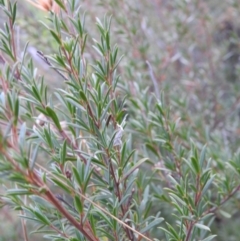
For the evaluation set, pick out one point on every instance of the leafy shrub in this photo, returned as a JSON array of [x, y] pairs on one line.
[[103, 156]]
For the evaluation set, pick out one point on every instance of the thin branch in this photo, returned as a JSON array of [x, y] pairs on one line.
[[189, 231], [45, 59], [61, 199], [95, 204], [32, 176], [24, 228], [86, 230], [214, 209]]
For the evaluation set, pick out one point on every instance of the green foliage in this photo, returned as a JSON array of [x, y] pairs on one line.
[[103, 155]]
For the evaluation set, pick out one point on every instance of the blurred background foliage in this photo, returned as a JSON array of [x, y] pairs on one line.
[[188, 48]]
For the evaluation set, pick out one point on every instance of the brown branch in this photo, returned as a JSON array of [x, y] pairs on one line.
[[211, 210], [95, 204], [34, 179], [24, 228], [45, 59], [231, 194], [118, 194], [86, 229]]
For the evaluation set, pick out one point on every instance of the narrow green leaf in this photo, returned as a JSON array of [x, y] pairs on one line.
[[36, 94], [64, 152], [225, 214], [83, 96], [107, 37], [106, 110], [61, 184], [84, 43], [206, 187], [14, 11], [152, 148], [78, 204], [202, 156], [136, 165], [152, 225], [195, 165], [60, 4], [177, 199], [34, 157], [41, 217], [55, 36], [52, 114], [201, 226], [14, 192], [77, 176], [16, 112]]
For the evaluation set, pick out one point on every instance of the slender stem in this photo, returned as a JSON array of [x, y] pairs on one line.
[[189, 231], [119, 195], [24, 228], [86, 231], [33, 178], [198, 192], [59, 232], [197, 195], [232, 193], [45, 59], [73, 71], [211, 210], [95, 205]]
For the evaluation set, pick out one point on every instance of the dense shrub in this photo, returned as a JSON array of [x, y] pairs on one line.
[[99, 146]]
